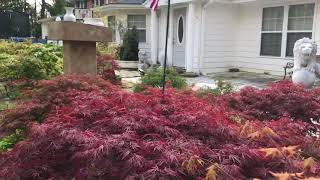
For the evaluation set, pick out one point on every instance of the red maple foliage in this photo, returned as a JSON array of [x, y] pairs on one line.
[[94, 130], [107, 67], [280, 99]]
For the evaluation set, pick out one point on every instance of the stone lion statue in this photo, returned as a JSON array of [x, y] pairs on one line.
[[305, 67], [144, 62], [305, 51]]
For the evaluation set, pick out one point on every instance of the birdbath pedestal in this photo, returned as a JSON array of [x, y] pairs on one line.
[[79, 45]]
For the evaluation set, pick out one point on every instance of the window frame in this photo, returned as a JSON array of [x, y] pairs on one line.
[[271, 32], [285, 30], [143, 29]]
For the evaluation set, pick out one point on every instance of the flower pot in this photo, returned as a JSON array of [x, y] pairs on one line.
[[69, 16], [93, 21]]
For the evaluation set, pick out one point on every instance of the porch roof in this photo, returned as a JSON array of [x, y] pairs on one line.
[[164, 2]]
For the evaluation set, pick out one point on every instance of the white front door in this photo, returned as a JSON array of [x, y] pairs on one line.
[[179, 40]]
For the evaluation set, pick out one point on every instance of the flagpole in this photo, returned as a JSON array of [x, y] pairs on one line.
[[166, 50]]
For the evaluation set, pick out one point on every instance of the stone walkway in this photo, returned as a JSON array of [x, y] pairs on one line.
[[237, 79]]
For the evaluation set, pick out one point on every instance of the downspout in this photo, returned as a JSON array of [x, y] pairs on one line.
[[202, 41]]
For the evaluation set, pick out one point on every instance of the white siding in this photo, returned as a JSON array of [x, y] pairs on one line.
[[233, 34], [219, 34]]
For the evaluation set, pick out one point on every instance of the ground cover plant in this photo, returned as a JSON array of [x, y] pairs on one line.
[[87, 128]]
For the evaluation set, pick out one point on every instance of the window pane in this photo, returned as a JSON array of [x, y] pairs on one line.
[[142, 35], [301, 17], [292, 38], [139, 21], [180, 30], [271, 44], [272, 19]]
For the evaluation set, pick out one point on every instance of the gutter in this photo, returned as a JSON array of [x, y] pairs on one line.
[[118, 6]]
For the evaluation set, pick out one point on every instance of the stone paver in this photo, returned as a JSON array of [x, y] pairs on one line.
[[237, 79]]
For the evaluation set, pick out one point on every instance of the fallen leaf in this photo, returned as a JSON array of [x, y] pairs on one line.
[[290, 150], [269, 132], [308, 163], [255, 135], [212, 172], [286, 176], [273, 152], [193, 164]]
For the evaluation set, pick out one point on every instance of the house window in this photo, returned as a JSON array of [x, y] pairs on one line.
[[138, 21], [98, 2], [112, 26], [81, 4], [299, 25], [271, 37]]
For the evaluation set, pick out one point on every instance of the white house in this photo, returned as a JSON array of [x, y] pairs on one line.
[[208, 36], [216, 35]]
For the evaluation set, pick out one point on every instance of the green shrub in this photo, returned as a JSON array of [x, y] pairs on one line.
[[9, 66], [9, 141], [29, 61], [223, 87], [130, 48], [154, 78], [112, 49]]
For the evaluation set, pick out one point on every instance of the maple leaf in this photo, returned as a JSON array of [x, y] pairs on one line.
[[286, 176], [290, 150], [212, 172], [265, 132], [192, 164], [308, 165], [273, 152], [255, 135], [246, 129]]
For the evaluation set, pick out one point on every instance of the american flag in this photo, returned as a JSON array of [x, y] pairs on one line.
[[154, 4]]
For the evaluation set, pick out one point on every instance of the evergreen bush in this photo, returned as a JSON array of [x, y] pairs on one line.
[[130, 47]]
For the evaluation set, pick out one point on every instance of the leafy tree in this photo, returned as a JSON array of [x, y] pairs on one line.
[[14, 5], [58, 7]]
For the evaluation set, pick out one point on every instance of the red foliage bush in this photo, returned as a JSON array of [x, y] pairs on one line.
[[46, 96], [107, 67], [281, 99], [93, 130]]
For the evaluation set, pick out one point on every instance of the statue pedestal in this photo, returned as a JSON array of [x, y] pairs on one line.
[[79, 45], [304, 77]]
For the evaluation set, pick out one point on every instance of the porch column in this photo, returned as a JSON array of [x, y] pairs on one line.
[[154, 37], [190, 36], [170, 38]]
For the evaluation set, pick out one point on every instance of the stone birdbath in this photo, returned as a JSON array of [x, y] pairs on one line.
[[79, 45]]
